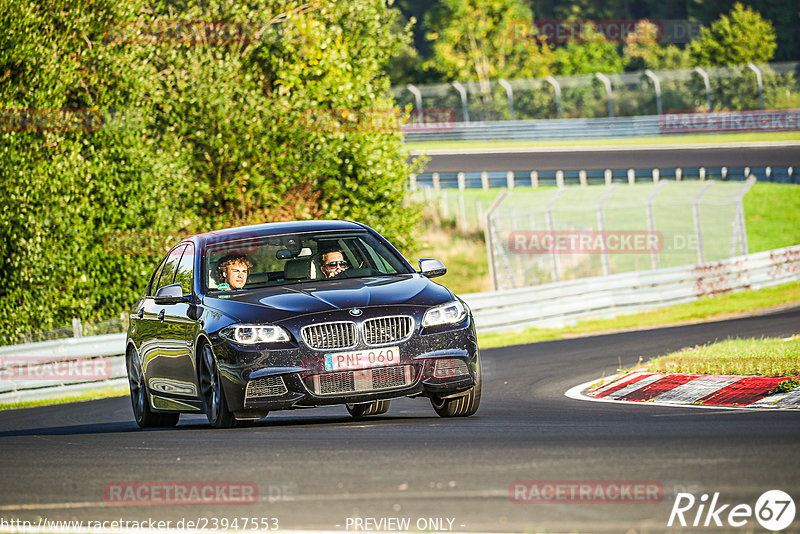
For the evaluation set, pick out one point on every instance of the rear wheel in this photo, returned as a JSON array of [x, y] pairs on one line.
[[462, 406], [145, 417], [211, 389], [368, 408]]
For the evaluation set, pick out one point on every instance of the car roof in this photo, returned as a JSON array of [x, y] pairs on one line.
[[275, 228]]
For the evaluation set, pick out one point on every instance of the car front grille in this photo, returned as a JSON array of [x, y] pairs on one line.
[[269, 386], [363, 380], [330, 335], [387, 329]]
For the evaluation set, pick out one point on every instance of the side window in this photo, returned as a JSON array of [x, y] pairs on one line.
[[171, 263], [185, 272], [151, 287]]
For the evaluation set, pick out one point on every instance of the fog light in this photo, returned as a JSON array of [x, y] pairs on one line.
[[450, 367]]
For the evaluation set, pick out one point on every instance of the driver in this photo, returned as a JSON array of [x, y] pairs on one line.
[[232, 272], [333, 263]]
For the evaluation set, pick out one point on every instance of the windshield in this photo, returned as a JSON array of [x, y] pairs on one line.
[[255, 262]]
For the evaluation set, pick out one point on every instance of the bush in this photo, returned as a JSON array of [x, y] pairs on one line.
[[118, 134]]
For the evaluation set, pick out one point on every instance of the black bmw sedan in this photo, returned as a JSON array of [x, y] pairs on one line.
[[237, 322]]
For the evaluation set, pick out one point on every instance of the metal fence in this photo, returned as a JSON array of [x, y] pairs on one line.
[[456, 197], [539, 237], [740, 87], [558, 304]]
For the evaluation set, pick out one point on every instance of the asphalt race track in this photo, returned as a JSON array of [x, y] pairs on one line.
[[552, 159], [317, 468]]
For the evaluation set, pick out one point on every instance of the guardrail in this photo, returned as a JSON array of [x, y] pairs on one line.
[[558, 304], [51, 369], [605, 127], [550, 305], [535, 178]]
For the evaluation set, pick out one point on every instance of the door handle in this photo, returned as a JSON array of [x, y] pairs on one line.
[[161, 315]]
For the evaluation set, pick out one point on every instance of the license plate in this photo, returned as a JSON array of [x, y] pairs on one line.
[[362, 359]]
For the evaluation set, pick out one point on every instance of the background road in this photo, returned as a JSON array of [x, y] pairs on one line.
[[543, 159], [56, 460]]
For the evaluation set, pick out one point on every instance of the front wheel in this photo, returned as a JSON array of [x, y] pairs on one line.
[[368, 408], [466, 404], [211, 389], [145, 417]]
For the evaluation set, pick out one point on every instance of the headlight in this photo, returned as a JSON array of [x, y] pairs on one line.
[[452, 312], [252, 334]]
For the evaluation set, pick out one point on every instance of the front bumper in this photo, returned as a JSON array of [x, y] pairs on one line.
[[434, 362]]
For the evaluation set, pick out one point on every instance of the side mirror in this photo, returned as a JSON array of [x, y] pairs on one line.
[[171, 294], [431, 268]]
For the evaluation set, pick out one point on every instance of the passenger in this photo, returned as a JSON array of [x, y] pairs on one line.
[[232, 272], [333, 263]]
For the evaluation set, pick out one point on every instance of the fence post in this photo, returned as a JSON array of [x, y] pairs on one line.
[[704, 74], [601, 227], [510, 94], [560, 179], [631, 177], [462, 181], [485, 180], [488, 232], [510, 179], [412, 182], [760, 85], [652, 75], [557, 88], [582, 178], [462, 212], [607, 83], [437, 186], [608, 176], [444, 204], [702, 174], [534, 179], [656, 175], [418, 97], [678, 174], [463, 92], [698, 222], [77, 328]]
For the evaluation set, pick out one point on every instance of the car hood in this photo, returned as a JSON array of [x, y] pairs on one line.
[[313, 297]]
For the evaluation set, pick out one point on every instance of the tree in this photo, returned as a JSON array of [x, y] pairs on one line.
[[737, 38], [486, 40], [592, 53], [642, 50]]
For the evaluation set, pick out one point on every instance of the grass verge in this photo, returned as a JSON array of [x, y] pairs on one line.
[[719, 307], [612, 141], [766, 357], [119, 391]]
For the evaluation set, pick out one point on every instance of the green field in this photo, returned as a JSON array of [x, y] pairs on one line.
[[767, 357]]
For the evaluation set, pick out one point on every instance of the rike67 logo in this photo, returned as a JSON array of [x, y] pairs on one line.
[[774, 510]]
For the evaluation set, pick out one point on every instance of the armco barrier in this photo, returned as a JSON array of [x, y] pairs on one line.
[[550, 305], [560, 303], [603, 127]]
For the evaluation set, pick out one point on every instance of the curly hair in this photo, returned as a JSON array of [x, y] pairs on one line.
[[230, 259]]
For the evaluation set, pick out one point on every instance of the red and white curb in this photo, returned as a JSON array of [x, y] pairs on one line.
[[729, 391]]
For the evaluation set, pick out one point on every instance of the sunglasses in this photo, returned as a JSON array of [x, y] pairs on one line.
[[332, 264]]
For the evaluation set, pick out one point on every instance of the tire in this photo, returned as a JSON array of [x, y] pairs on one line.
[[462, 406], [211, 391], [140, 402], [368, 408]]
